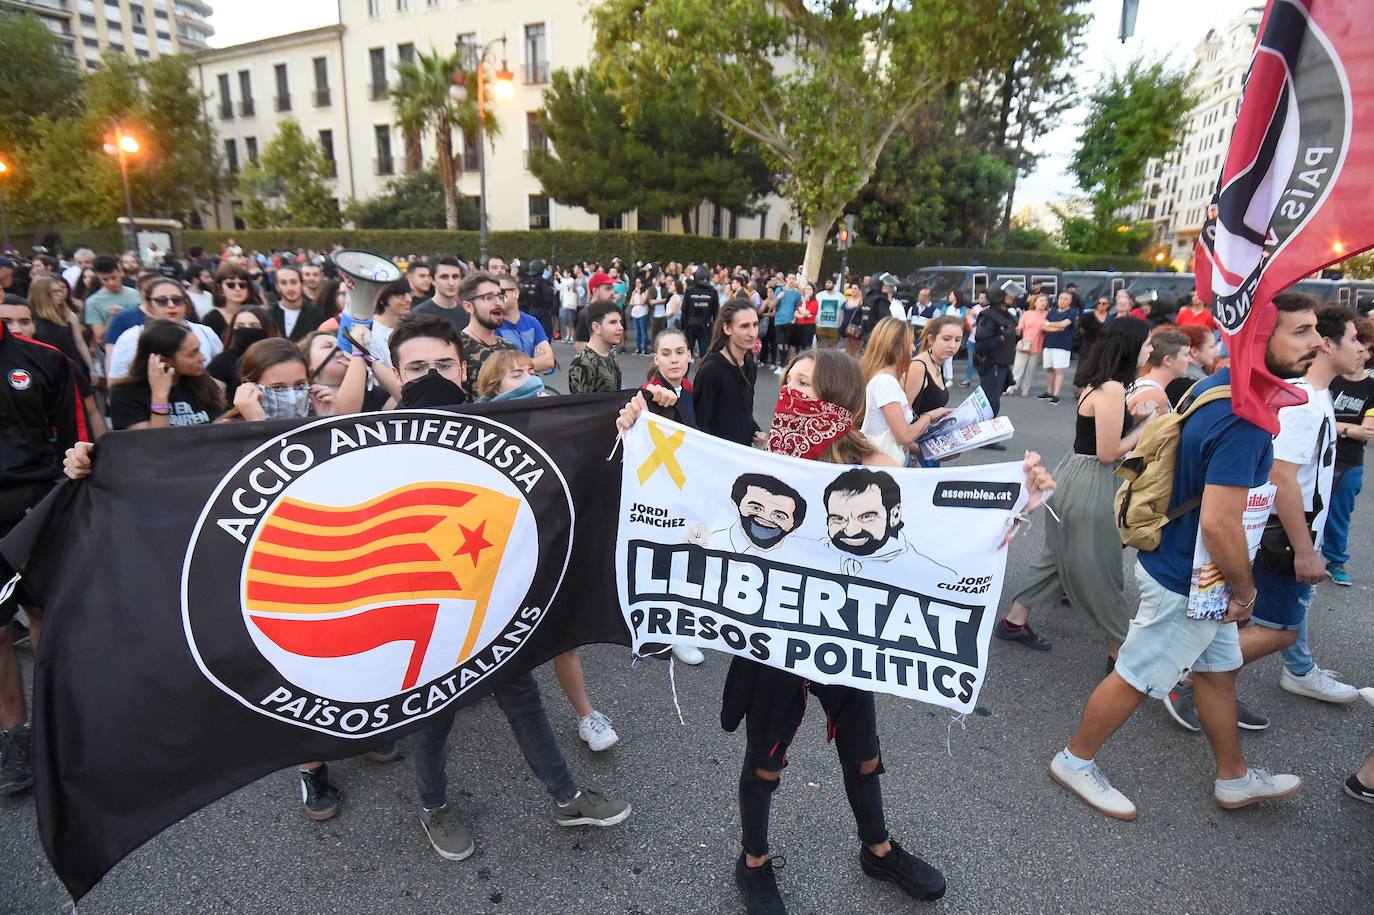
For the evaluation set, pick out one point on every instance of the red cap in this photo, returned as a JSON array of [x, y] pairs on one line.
[[598, 280]]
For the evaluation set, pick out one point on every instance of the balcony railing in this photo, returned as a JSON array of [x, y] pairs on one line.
[[283, 102], [384, 165], [226, 111], [537, 71], [377, 90], [322, 98], [331, 168], [246, 108]]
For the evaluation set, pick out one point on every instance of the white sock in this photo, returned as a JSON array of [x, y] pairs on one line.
[[1235, 782], [1073, 763]]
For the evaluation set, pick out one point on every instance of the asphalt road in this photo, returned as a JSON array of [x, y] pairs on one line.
[[977, 802]]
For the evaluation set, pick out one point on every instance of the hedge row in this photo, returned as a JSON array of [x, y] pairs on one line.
[[562, 246]]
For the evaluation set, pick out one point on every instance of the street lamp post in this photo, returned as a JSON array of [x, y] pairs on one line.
[[123, 146], [503, 90], [4, 219]]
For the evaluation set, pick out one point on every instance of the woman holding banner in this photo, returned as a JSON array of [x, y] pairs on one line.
[[815, 420]]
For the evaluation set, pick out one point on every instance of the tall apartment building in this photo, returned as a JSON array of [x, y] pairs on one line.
[[1179, 184], [142, 29], [335, 81]]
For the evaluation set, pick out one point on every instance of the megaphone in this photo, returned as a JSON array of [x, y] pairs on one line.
[[364, 275]]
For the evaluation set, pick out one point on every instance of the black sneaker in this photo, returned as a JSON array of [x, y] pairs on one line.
[[995, 446], [1181, 707], [1024, 634], [19, 634], [16, 759], [321, 799], [1248, 719], [1358, 791], [1043, 395], [1054, 400], [760, 886], [387, 752], [919, 879]]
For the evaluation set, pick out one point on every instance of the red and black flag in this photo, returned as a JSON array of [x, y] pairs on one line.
[[225, 601], [1293, 195]]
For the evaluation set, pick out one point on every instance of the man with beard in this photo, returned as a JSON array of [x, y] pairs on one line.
[[863, 518], [312, 278], [481, 297], [1221, 458], [769, 510]]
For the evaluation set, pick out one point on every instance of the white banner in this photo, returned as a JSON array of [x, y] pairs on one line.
[[884, 580]]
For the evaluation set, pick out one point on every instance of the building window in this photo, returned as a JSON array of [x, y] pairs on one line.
[[321, 82], [405, 53], [468, 48], [652, 223], [734, 224], [402, 6], [432, 4], [376, 63], [245, 93], [231, 156], [384, 164], [283, 88], [374, 9], [715, 220], [327, 148], [250, 149], [226, 103], [763, 224], [536, 54], [534, 132], [470, 151], [612, 223], [539, 211]]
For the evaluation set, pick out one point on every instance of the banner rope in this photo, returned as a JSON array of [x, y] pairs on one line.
[[10, 586], [672, 684], [949, 734]]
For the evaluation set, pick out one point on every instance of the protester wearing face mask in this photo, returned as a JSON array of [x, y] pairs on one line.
[[251, 324], [431, 371], [509, 375], [274, 383]]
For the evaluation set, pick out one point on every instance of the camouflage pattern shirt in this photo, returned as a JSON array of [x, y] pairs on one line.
[[475, 353], [590, 372]]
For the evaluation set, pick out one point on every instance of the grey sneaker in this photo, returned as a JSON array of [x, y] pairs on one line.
[[449, 837], [591, 808], [16, 761]]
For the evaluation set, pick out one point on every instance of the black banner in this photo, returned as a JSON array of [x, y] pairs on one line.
[[226, 601]]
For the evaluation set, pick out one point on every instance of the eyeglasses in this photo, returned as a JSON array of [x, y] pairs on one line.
[[234, 284], [486, 297], [442, 366], [167, 301]]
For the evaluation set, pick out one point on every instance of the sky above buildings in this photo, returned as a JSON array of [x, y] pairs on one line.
[[1164, 28]]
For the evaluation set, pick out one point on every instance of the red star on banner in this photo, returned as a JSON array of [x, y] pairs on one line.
[[473, 542]]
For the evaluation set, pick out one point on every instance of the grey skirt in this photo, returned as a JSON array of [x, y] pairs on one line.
[[1082, 554]]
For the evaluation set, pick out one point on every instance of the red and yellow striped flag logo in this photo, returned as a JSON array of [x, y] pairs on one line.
[[328, 581]]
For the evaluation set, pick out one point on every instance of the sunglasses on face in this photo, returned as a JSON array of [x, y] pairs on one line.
[[234, 284], [168, 301]]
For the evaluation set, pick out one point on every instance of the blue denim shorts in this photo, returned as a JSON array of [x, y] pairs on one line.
[[1282, 600], [1163, 643]]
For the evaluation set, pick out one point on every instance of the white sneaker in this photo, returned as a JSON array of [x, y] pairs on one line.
[[1092, 786], [1263, 785], [596, 731], [688, 654], [1318, 684], [1368, 694]]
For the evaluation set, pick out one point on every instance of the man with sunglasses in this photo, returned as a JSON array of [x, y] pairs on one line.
[[162, 298], [480, 295], [295, 316]]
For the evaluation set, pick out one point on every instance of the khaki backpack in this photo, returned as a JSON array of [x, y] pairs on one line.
[[1142, 502]]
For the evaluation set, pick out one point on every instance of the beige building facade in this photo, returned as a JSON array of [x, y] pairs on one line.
[[141, 29], [350, 67]]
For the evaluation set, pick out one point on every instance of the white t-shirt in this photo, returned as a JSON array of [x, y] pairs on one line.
[[379, 344], [289, 317], [883, 389], [203, 302], [897, 310], [1307, 437], [123, 355], [567, 292]]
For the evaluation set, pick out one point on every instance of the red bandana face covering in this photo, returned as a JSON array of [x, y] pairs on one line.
[[803, 427]]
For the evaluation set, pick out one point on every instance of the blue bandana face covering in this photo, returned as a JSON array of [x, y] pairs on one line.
[[286, 403], [532, 387]]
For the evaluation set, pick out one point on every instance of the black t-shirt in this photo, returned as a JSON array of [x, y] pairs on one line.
[[457, 316], [131, 403], [1351, 400]]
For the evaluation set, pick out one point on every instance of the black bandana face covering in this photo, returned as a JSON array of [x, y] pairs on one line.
[[432, 390]]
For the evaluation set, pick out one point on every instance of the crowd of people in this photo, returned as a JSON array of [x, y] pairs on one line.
[[104, 341]]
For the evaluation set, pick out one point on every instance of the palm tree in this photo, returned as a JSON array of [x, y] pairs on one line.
[[422, 103]]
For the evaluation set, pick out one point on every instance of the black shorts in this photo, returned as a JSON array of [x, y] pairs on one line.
[[774, 703], [14, 505], [583, 332], [803, 336]]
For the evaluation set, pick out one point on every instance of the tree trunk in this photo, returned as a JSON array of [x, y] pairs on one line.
[[445, 163], [816, 233], [686, 222]]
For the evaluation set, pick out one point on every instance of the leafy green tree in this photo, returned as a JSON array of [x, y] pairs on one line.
[[410, 201], [422, 103], [289, 186], [666, 162], [1027, 80], [1132, 117], [1090, 235], [821, 87], [35, 80]]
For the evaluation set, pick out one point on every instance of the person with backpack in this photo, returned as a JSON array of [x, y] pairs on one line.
[[994, 347], [1082, 554], [1208, 461]]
